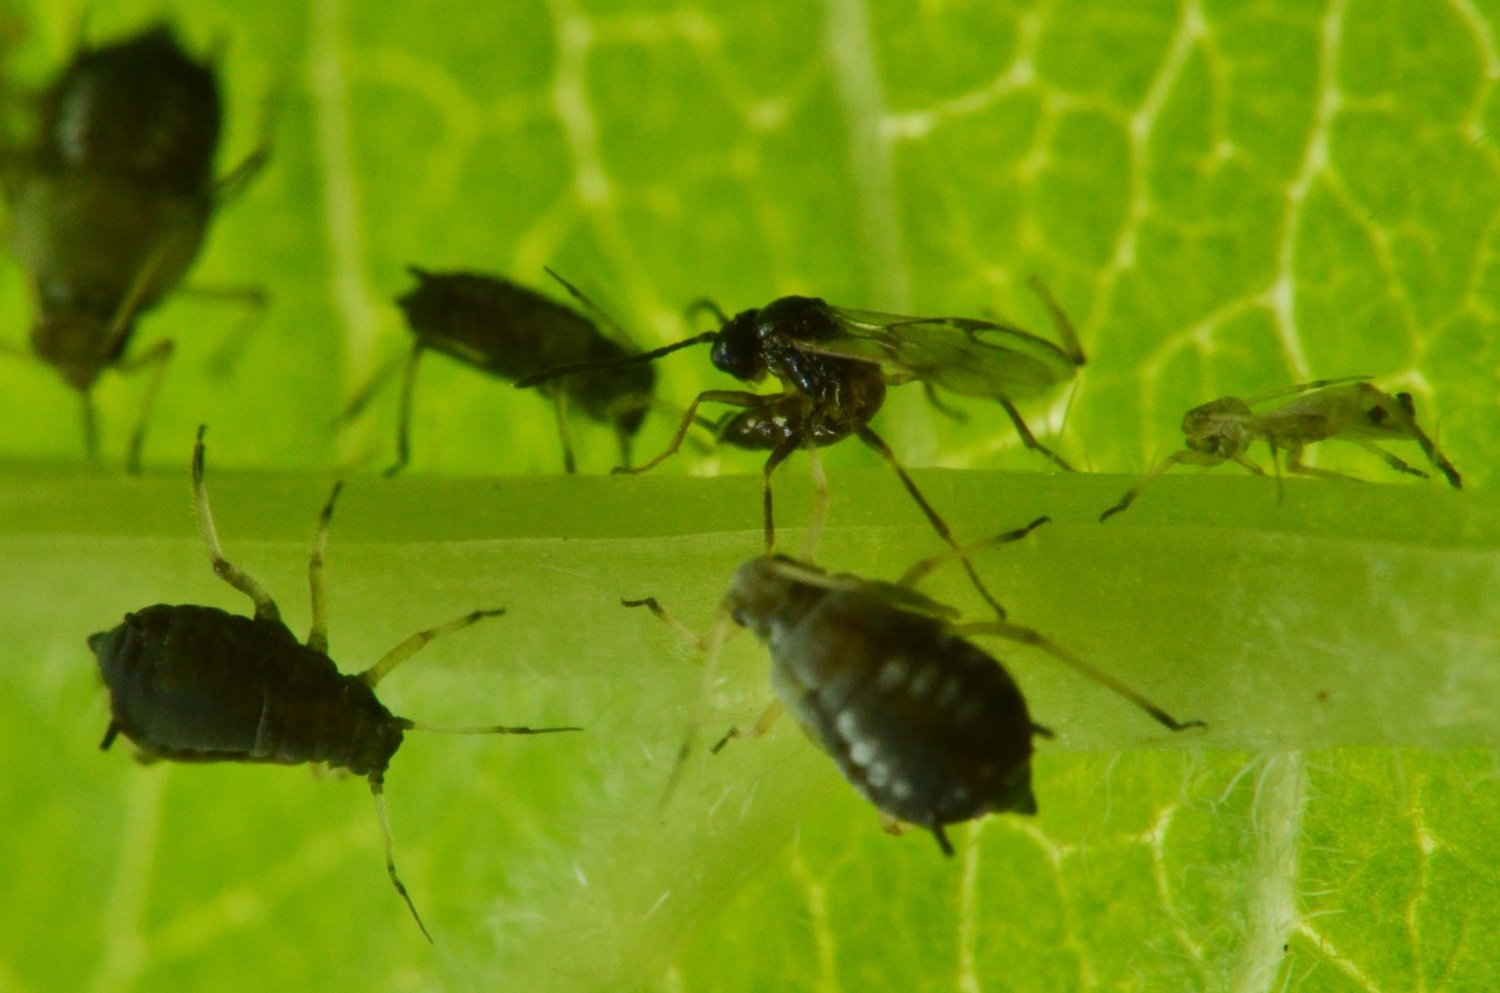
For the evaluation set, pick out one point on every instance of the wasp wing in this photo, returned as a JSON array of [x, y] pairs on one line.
[[963, 355]]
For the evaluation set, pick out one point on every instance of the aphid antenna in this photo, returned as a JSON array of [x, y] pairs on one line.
[[377, 790], [410, 725], [581, 368], [1060, 320], [1316, 384], [406, 649]]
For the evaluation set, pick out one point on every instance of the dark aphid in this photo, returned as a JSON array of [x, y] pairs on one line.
[[198, 684], [110, 204], [834, 365], [927, 726], [509, 331], [1344, 409]]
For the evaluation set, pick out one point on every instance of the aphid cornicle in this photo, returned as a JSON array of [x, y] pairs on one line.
[[110, 204], [1347, 409], [834, 365], [199, 684], [508, 331], [926, 725]]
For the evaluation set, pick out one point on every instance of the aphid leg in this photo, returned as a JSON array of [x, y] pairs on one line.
[[90, 418], [687, 634], [1028, 439], [737, 398], [253, 299], [942, 840], [234, 182], [403, 414], [265, 607], [763, 723], [1060, 321], [1429, 448], [1185, 457], [317, 635], [874, 441], [941, 405], [366, 393], [560, 406], [1294, 465], [157, 356], [373, 675], [821, 500], [1029, 636], [109, 736], [1390, 459], [377, 790], [920, 571], [716, 638], [779, 454]]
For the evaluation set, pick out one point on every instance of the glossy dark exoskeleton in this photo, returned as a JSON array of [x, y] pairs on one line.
[[110, 203], [199, 684], [508, 331], [834, 365], [1350, 409], [927, 726]]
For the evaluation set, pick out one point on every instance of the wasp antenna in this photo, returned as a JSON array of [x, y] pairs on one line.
[[581, 368], [377, 789]]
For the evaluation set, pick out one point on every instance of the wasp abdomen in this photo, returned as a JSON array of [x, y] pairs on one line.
[[199, 684]]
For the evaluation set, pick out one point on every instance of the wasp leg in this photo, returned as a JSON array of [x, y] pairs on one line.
[[254, 300], [737, 398], [382, 668], [822, 498], [762, 724], [779, 454], [265, 607], [157, 356], [317, 635], [941, 405], [1186, 456], [403, 415], [560, 405], [1028, 636], [874, 441], [1028, 439]]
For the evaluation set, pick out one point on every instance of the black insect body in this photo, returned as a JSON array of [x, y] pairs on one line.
[[924, 724], [198, 684], [834, 365], [508, 331], [1344, 409], [111, 203], [927, 726]]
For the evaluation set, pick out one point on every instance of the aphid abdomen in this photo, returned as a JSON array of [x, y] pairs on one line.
[[925, 725], [140, 110], [199, 684]]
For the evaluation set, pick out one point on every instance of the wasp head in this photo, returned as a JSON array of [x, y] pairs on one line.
[[1221, 427], [737, 348]]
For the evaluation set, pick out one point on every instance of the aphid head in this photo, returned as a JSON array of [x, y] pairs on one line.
[[761, 591], [737, 348], [1220, 427], [78, 345]]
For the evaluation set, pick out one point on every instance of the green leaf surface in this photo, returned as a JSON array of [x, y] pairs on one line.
[[1226, 197]]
